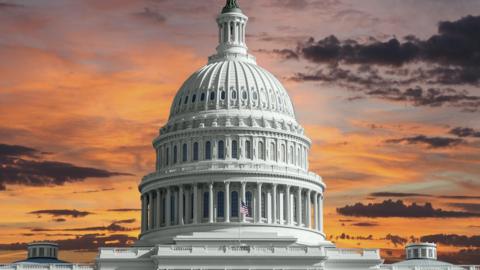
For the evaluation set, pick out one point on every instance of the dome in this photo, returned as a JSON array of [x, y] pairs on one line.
[[232, 85]]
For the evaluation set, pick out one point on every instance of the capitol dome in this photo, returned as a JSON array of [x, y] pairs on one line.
[[232, 160]]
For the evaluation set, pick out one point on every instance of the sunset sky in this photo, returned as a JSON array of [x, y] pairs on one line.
[[388, 91]]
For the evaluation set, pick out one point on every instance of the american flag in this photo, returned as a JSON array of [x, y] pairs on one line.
[[244, 208]]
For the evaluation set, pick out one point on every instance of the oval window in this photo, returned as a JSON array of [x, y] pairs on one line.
[[234, 94], [222, 95]]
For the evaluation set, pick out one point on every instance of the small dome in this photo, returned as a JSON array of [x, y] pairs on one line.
[[232, 85]]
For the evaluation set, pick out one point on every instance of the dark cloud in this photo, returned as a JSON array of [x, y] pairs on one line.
[[125, 221], [89, 242], [432, 142], [93, 191], [470, 207], [453, 240], [282, 53], [396, 240], [365, 224], [124, 210], [113, 227], [401, 194], [151, 15], [21, 165], [345, 236], [390, 208], [62, 212], [465, 132], [462, 257], [5, 5], [59, 220]]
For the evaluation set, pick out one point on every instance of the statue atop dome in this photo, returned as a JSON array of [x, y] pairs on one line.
[[231, 6]]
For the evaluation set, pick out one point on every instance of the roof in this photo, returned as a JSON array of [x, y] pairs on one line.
[[426, 262]]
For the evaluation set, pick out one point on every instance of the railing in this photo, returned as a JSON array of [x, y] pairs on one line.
[[241, 250], [28, 266], [429, 267]]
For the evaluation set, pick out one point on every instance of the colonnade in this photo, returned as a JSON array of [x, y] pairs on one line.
[[220, 202]]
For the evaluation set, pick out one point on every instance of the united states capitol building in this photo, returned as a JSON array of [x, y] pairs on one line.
[[232, 187]]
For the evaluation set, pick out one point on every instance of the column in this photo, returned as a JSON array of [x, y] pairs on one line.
[[320, 215], [210, 203], [244, 200], [168, 207], [188, 204], [299, 206], [180, 205], [289, 205], [309, 209], [259, 203], [142, 199], [158, 209], [195, 203], [175, 208], [227, 202], [274, 206], [315, 206], [150, 210]]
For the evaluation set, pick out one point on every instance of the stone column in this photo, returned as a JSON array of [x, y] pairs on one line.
[[180, 205], [274, 204], [289, 205], [210, 203], [315, 206], [168, 207], [188, 204], [158, 208], [299, 206], [142, 199], [227, 202], [259, 203], [150, 210], [195, 203], [244, 200], [320, 215], [309, 209]]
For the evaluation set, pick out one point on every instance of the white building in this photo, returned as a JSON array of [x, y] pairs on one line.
[[232, 188]]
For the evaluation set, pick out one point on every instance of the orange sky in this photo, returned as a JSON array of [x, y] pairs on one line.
[[90, 83]]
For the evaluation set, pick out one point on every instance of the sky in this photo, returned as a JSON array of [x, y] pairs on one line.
[[388, 91]]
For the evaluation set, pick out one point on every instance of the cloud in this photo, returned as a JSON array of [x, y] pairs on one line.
[[124, 210], [89, 242], [462, 257], [113, 227], [5, 5], [365, 224], [93, 191], [401, 194], [151, 15], [390, 208], [470, 207], [465, 132], [62, 212], [431, 142], [59, 220], [125, 221], [286, 54], [23, 165], [453, 240], [396, 240]]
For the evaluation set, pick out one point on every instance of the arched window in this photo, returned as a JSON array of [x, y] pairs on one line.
[[175, 155], [184, 152], [195, 151], [234, 94], [273, 152], [264, 205], [222, 95], [41, 253], [221, 150], [234, 149], [186, 100], [220, 204], [202, 97], [205, 205], [208, 150], [261, 151], [248, 198], [167, 156], [244, 94], [283, 153], [194, 98], [232, 38], [255, 96], [212, 95], [248, 149], [234, 204], [172, 209], [299, 157]]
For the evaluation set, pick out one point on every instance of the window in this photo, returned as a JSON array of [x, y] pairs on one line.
[[248, 149], [205, 205], [234, 149], [273, 152], [194, 98], [234, 94], [255, 96], [264, 205], [175, 155], [183, 205], [283, 153], [184, 152], [248, 197], [234, 204], [232, 38], [191, 205], [186, 100], [221, 150], [202, 97], [292, 155], [295, 208], [172, 209], [212, 95], [163, 209], [195, 151], [244, 94], [261, 151], [222, 95], [208, 150], [42, 252], [299, 157], [167, 156], [220, 204]]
